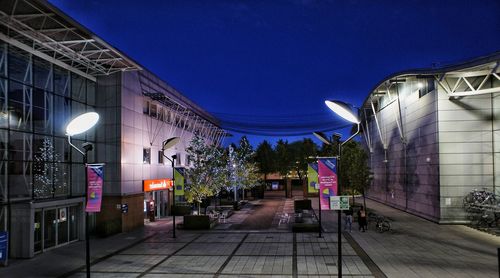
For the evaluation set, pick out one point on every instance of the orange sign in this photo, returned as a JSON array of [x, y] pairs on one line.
[[153, 185]]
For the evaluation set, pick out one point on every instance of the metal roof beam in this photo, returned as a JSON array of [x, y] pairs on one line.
[[30, 16], [71, 42], [56, 30], [45, 56]]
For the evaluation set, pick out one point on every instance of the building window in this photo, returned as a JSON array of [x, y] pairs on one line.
[[425, 86], [153, 111], [161, 114], [146, 155], [178, 159], [160, 157], [145, 107]]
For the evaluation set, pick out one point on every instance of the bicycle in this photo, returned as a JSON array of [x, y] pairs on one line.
[[382, 224]]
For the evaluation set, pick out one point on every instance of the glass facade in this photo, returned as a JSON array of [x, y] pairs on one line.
[[37, 99]]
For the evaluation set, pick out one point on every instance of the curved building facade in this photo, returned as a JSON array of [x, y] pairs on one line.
[[433, 136]]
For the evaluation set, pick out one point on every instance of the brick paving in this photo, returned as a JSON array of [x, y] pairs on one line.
[[415, 248], [228, 254]]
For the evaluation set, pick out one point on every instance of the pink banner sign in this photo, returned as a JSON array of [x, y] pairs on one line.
[[327, 177], [95, 179]]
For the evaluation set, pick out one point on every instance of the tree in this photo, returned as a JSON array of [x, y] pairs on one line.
[[208, 174], [301, 152], [244, 172], [46, 170], [284, 159], [265, 158], [244, 152], [354, 170]]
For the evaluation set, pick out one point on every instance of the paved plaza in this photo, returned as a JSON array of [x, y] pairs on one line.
[[244, 246], [232, 254]]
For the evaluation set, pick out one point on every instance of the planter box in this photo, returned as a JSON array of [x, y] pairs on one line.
[[300, 205], [197, 222], [305, 227], [181, 210]]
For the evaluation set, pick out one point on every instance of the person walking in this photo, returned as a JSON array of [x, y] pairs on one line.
[[362, 219], [348, 219]]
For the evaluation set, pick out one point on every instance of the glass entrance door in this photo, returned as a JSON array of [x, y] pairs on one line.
[[55, 226], [38, 231], [50, 228], [62, 226]]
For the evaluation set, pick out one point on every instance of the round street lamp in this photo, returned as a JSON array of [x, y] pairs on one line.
[[79, 125], [82, 123], [167, 144], [343, 109]]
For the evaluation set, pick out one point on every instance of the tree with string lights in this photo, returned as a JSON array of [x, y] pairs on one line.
[[45, 170]]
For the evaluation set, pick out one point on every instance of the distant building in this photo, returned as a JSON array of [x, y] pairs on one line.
[[52, 69], [434, 136]]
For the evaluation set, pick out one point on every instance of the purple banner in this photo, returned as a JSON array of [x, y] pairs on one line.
[[95, 179], [327, 176]]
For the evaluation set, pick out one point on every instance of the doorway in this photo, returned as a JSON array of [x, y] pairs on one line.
[[54, 227]]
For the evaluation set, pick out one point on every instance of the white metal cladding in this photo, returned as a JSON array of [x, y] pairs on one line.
[[433, 137], [42, 29]]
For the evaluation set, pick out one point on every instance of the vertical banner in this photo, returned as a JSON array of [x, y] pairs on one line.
[[4, 247], [312, 177], [327, 176], [95, 178], [179, 181]]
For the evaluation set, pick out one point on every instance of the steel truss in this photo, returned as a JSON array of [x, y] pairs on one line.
[[180, 116], [476, 81], [41, 29]]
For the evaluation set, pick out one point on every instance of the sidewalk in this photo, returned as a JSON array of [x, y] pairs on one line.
[[62, 260], [419, 248]]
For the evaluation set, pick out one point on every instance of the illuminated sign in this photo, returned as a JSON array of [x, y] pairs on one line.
[[154, 185]]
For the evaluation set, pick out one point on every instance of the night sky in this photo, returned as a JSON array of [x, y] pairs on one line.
[[284, 58]]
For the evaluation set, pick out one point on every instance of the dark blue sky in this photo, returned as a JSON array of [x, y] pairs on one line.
[[286, 57]]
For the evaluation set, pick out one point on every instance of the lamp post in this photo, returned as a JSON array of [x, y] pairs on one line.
[[166, 145], [79, 125], [344, 110]]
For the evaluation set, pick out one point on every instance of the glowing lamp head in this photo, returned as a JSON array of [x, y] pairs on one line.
[[82, 123], [322, 137], [167, 144], [342, 109]]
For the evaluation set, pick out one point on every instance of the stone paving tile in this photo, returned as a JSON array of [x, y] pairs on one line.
[[313, 237], [167, 275], [323, 249], [265, 249], [208, 249], [268, 265], [190, 264], [219, 237], [327, 265], [105, 275], [127, 263], [270, 237], [254, 276], [154, 248], [331, 276], [167, 237]]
